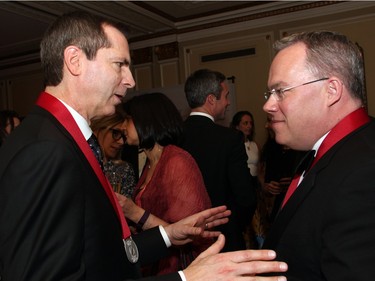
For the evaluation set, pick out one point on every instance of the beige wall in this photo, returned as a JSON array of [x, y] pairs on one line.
[[357, 20], [251, 71], [20, 91]]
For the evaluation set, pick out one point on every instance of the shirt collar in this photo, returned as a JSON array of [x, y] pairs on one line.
[[81, 122], [202, 114], [319, 143]]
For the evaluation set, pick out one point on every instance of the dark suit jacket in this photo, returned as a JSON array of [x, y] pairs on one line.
[[326, 231], [56, 222], [221, 157]]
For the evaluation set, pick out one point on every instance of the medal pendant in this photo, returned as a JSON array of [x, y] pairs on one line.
[[131, 250]]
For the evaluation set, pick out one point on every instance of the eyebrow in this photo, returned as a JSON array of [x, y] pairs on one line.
[[126, 62], [121, 59], [275, 86]]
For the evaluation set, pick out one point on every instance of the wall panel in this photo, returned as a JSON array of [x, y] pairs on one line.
[[143, 77]]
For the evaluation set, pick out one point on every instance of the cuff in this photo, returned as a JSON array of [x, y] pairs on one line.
[[165, 236], [182, 275]]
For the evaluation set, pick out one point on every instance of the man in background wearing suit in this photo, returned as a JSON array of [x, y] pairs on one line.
[[59, 218], [325, 229], [219, 152]]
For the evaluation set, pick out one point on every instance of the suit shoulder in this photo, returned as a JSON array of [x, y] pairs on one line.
[[229, 132]]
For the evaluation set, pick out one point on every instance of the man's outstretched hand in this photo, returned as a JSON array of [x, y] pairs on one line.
[[197, 225], [211, 265]]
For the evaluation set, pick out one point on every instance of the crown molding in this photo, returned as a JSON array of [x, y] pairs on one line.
[[286, 12]]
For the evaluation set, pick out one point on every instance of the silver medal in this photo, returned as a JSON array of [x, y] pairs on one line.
[[131, 250]]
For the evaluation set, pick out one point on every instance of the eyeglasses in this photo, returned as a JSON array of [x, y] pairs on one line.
[[279, 93], [118, 134]]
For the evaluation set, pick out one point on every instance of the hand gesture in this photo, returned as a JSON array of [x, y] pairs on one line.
[[197, 225], [210, 265]]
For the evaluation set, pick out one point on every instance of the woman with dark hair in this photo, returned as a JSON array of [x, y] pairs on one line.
[[243, 121], [171, 186], [9, 120]]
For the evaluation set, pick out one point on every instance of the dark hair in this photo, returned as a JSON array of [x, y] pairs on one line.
[[107, 122], [77, 28], [155, 118], [331, 53], [236, 120], [202, 83]]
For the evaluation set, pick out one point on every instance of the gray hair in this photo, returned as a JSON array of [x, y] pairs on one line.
[[201, 84], [331, 53]]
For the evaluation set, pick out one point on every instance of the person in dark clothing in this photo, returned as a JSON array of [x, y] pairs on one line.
[[59, 217], [219, 152]]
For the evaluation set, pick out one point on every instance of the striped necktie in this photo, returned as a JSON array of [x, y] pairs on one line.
[[95, 147]]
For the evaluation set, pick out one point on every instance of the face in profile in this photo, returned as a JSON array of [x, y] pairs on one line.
[[108, 75], [130, 132], [299, 107], [222, 103]]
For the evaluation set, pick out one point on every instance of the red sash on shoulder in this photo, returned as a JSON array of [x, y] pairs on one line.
[[62, 114], [347, 125]]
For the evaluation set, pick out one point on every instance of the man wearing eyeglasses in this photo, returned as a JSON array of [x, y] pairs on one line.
[[59, 217], [326, 227]]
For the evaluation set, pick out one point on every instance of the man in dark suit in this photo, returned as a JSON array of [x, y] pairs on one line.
[[59, 218], [326, 227], [219, 153]]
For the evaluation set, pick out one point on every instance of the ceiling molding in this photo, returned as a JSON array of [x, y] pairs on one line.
[[147, 13], [287, 13], [153, 23]]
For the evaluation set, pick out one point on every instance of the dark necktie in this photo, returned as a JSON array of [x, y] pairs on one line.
[[304, 165], [95, 147]]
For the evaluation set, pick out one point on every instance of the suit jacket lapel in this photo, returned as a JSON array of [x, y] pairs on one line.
[[287, 212]]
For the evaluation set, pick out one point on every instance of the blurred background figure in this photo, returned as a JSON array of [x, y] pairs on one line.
[[243, 121], [277, 166], [9, 120], [219, 152], [171, 186], [111, 137]]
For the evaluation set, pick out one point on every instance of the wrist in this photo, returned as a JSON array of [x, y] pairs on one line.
[[143, 219]]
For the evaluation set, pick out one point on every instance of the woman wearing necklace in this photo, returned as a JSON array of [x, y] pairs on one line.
[[171, 186]]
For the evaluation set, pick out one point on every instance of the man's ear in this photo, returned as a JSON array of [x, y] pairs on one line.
[[211, 99], [72, 59], [334, 90]]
